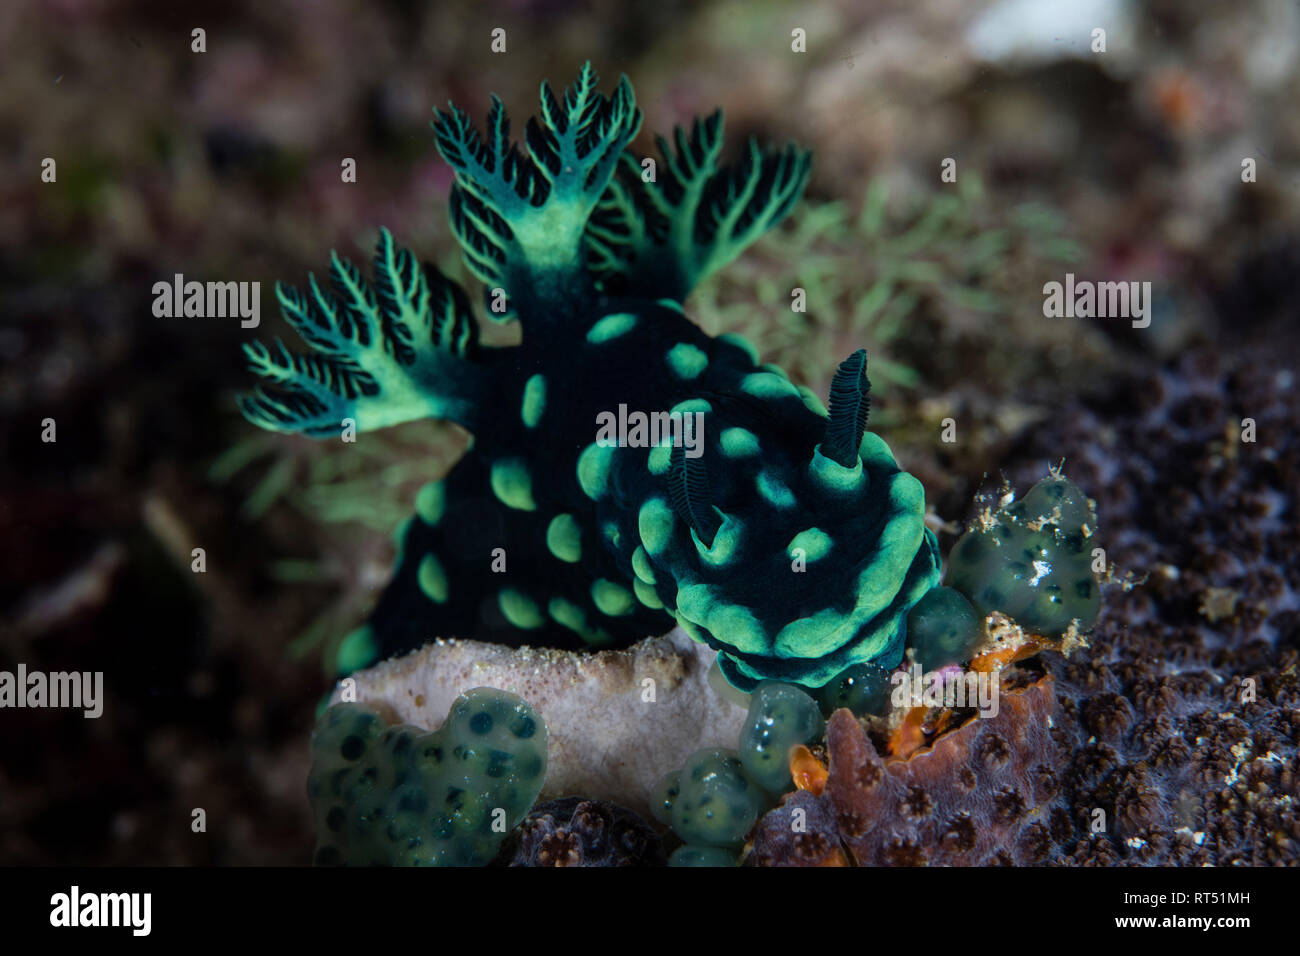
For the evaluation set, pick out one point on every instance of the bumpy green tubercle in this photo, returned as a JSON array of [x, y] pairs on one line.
[[1034, 563], [401, 796]]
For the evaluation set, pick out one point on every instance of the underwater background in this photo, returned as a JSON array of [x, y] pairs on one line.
[[225, 165]]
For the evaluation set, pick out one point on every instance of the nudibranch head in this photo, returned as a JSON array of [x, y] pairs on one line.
[[795, 558]]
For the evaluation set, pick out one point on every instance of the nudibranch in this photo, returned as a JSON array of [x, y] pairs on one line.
[[786, 537]]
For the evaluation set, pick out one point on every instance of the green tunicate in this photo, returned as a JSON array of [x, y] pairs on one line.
[[717, 803], [943, 628], [432, 578], [611, 327], [689, 855], [519, 609], [664, 796], [611, 599], [398, 796], [686, 360], [564, 538], [593, 469], [431, 502], [864, 689], [1034, 561], [512, 484], [738, 442], [780, 716], [534, 403]]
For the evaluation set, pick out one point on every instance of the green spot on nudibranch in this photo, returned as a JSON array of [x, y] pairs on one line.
[[768, 386], [567, 614], [659, 459], [611, 599], [812, 400], [742, 343], [655, 525], [814, 543], [670, 304], [611, 327], [520, 610], [534, 400], [690, 406], [357, 650], [704, 606], [593, 469], [564, 538], [613, 535], [686, 360], [432, 579], [647, 595], [399, 540], [431, 502], [641, 566], [775, 491], [512, 484], [738, 442]]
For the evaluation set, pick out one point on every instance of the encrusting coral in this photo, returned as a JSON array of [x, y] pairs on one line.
[[1173, 735], [578, 832], [977, 796]]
